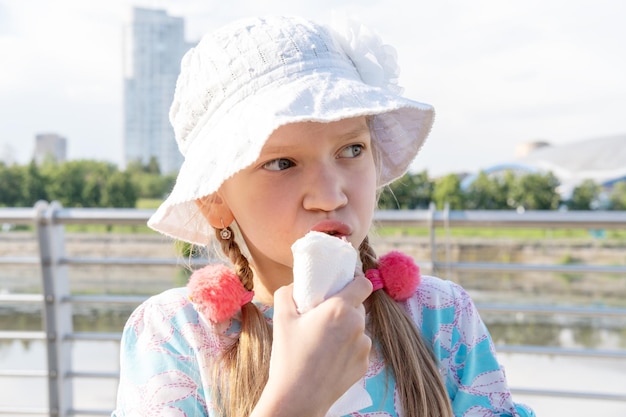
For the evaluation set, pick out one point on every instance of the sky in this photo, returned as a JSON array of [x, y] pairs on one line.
[[498, 72]]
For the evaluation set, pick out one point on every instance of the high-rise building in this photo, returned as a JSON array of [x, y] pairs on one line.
[[50, 146], [154, 46]]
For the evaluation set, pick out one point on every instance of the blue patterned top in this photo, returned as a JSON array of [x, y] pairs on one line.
[[167, 349]]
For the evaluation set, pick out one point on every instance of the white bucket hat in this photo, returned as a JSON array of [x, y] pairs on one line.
[[245, 80]]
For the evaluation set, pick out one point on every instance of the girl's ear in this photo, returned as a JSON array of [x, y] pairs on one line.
[[215, 210]]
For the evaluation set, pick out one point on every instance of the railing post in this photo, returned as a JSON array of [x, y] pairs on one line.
[[433, 243], [57, 312], [446, 228]]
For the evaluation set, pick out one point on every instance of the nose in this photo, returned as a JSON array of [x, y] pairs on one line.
[[324, 190]]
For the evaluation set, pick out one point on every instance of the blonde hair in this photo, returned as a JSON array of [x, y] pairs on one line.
[[242, 371]]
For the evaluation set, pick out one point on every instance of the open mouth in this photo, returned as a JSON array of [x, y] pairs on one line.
[[333, 228]]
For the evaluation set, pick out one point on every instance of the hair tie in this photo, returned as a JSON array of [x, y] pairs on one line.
[[397, 274], [217, 292]]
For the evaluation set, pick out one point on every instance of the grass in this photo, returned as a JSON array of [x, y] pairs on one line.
[[423, 232], [148, 203], [513, 233], [104, 228]]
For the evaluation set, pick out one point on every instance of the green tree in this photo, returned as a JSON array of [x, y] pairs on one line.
[[91, 195], [119, 191], [11, 178], [585, 196], [67, 182], [448, 190], [535, 191], [617, 197], [148, 181], [151, 185], [153, 166], [422, 191], [486, 193], [409, 192], [79, 183], [34, 185], [134, 167]]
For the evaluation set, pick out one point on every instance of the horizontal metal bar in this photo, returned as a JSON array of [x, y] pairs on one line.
[[18, 215], [504, 218], [464, 266], [559, 351], [19, 260], [10, 373], [510, 267], [21, 298], [552, 310], [455, 218], [569, 394], [469, 266], [94, 336], [13, 411], [88, 412], [93, 374], [22, 335], [483, 307], [117, 216], [108, 299], [85, 261]]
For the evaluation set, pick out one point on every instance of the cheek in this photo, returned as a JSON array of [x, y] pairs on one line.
[[365, 191], [264, 211], [370, 180]]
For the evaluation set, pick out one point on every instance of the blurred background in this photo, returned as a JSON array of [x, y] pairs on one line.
[[530, 99], [499, 73]]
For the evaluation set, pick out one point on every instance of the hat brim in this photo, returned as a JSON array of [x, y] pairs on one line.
[[399, 129]]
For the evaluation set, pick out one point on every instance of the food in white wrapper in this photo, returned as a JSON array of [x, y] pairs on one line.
[[322, 266]]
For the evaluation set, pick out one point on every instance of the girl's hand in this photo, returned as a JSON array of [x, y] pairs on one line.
[[318, 355]]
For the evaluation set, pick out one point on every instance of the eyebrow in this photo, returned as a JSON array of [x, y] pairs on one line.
[[279, 149]]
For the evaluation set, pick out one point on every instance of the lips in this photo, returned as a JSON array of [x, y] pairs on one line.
[[333, 228]]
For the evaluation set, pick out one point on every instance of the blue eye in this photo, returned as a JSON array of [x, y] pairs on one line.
[[352, 151], [278, 164]]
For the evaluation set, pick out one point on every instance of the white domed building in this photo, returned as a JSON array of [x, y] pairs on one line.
[[602, 160]]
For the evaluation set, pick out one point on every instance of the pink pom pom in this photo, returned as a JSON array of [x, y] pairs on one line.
[[217, 292], [400, 275]]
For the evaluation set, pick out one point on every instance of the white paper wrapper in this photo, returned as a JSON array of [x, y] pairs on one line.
[[322, 266]]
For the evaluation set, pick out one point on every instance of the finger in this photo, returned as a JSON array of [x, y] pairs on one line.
[[283, 301], [356, 291], [361, 309]]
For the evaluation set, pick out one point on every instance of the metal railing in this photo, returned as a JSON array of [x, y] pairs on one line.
[[50, 219]]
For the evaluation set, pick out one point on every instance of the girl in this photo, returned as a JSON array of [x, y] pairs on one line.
[[288, 127]]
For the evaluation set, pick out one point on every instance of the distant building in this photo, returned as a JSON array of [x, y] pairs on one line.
[[526, 148], [154, 46], [50, 146], [602, 160]]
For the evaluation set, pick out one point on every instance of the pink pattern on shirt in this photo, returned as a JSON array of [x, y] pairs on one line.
[[157, 396]]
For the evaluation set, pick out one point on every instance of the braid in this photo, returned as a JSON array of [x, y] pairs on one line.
[[240, 263], [367, 255], [411, 361], [243, 370]]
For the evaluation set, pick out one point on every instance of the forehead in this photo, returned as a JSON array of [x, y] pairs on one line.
[[344, 129]]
